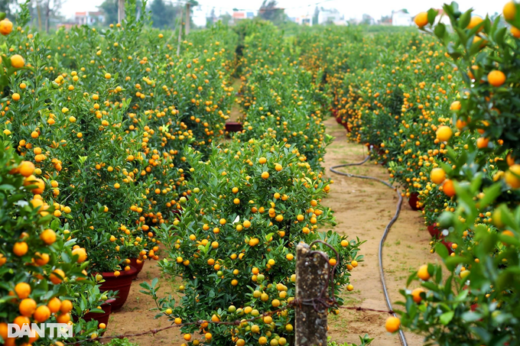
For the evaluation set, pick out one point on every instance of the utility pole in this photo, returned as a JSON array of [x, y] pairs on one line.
[[120, 11], [188, 18]]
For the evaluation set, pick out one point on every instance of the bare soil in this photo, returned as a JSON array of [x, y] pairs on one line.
[[136, 315], [362, 209]]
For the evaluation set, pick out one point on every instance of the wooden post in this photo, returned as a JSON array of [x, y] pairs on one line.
[[188, 19], [312, 277], [120, 11]]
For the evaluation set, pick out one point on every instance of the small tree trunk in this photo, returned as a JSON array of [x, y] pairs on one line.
[[188, 19], [47, 16], [180, 35], [312, 278], [120, 11]]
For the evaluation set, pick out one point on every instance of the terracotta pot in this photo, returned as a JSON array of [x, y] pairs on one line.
[[413, 199], [101, 317], [138, 267], [233, 126], [119, 283]]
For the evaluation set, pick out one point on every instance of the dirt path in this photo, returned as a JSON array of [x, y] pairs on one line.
[[362, 209], [136, 315]]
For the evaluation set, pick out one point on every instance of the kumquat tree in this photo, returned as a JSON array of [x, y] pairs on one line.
[[202, 158]]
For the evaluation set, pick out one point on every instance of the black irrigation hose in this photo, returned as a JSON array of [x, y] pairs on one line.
[[387, 230]]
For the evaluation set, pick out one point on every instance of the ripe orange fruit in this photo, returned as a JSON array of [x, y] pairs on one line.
[[474, 22], [515, 32], [21, 320], [278, 168], [444, 133], [54, 305], [438, 175], [455, 106], [265, 175], [512, 176], [262, 160], [509, 11], [332, 262], [509, 234], [421, 20], [23, 290], [496, 78], [57, 276], [63, 318], [26, 168], [42, 314], [20, 248], [40, 186], [392, 324], [82, 253], [350, 288], [27, 307], [17, 61], [66, 306], [461, 124], [416, 294], [6, 27], [48, 236], [187, 337], [422, 273], [16, 97], [448, 188], [510, 159], [3, 330], [482, 142], [41, 259]]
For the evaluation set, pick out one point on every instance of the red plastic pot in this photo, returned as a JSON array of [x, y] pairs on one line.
[[137, 266], [233, 126], [119, 283], [434, 231], [448, 245], [413, 199], [101, 317]]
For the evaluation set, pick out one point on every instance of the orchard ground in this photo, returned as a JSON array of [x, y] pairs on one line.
[[362, 209]]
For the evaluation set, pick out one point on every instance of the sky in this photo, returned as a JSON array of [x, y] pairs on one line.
[[350, 8]]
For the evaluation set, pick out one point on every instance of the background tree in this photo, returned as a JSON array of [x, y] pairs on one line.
[[271, 12], [315, 16], [109, 8], [6, 6]]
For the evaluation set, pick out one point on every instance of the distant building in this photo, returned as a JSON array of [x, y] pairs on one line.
[[331, 16], [199, 16], [239, 15], [401, 18], [302, 20], [89, 18]]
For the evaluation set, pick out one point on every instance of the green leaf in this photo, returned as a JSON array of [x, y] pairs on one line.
[[442, 251], [432, 14], [440, 30], [465, 19], [447, 317], [490, 194]]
